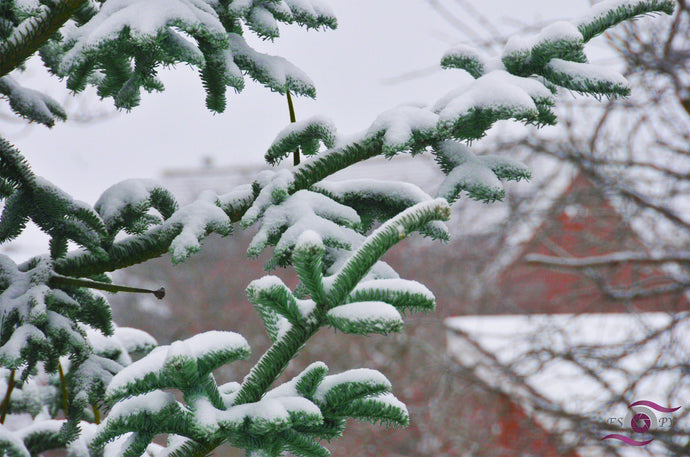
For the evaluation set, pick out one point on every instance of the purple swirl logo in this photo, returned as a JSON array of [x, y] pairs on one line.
[[640, 419]]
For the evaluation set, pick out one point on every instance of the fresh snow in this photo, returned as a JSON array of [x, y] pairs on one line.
[[130, 193], [134, 340], [395, 285], [488, 92], [238, 196], [468, 52], [11, 351], [533, 87], [115, 15], [557, 31], [267, 282], [27, 5], [29, 101], [496, 88], [80, 446], [10, 438], [205, 414], [309, 239], [311, 7], [582, 72], [150, 364], [366, 311], [196, 220], [398, 125], [269, 410], [240, 7], [51, 426], [214, 341], [107, 346], [601, 9], [274, 185], [471, 174], [306, 310], [298, 128], [197, 346], [355, 376], [262, 22], [151, 402], [396, 190], [389, 399], [295, 403], [306, 210], [274, 71], [289, 389]]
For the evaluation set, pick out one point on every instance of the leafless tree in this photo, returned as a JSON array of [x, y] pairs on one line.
[[634, 156]]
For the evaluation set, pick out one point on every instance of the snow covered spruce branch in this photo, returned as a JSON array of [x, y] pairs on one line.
[[29, 34], [62, 352], [296, 415], [119, 45], [519, 85]]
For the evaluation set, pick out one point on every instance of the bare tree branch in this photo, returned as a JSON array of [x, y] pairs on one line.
[[612, 259]]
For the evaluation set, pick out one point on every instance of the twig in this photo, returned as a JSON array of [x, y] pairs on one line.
[[293, 119], [58, 280], [5, 405], [63, 388], [614, 258]]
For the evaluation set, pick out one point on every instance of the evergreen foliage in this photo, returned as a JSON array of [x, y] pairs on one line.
[[60, 350]]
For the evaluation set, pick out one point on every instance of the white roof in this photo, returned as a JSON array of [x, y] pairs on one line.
[[551, 362]]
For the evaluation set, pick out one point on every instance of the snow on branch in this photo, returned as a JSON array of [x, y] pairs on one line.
[[606, 14], [377, 200], [306, 134], [31, 104], [477, 175], [401, 293], [406, 128], [274, 72], [586, 78], [376, 244], [366, 317], [467, 58]]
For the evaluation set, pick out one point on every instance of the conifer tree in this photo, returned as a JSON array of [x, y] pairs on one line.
[[69, 366]]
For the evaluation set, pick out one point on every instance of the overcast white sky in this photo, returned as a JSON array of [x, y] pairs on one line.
[[375, 40]]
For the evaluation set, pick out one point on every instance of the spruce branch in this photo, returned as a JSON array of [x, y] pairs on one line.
[[27, 39], [334, 160], [58, 280], [602, 16], [138, 249], [380, 241], [273, 362], [5, 405], [454, 120]]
